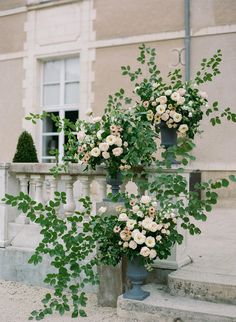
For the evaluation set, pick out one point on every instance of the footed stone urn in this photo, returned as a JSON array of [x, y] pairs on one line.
[[137, 274]]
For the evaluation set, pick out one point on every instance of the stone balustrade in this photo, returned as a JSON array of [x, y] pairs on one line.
[[37, 180]]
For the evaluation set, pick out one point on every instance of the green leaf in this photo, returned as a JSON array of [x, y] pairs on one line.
[[232, 178]]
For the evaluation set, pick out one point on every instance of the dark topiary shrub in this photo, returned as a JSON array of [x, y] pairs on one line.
[[25, 150]]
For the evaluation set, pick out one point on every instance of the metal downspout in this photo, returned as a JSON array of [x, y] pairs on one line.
[[187, 38]]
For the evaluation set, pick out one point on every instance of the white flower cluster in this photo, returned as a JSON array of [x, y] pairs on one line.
[[142, 227], [174, 106], [98, 145]]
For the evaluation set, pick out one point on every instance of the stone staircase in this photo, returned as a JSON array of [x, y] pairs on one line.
[[203, 291]]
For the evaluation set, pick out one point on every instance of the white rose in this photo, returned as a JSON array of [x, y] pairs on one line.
[[168, 92], [125, 245], [130, 224], [123, 217], [104, 146], [135, 208], [183, 128], [163, 231], [81, 135], [145, 251], [96, 119], [99, 134], [153, 254], [181, 91], [159, 226], [140, 214], [106, 155], [150, 241], [95, 152], [132, 244], [117, 151], [139, 238], [190, 114], [155, 85], [181, 101], [125, 144], [158, 238], [175, 96], [166, 225], [165, 116], [118, 141], [177, 117], [153, 227], [161, 109], [101, 210], [111, 139], [162, 99], [134, 232], [147, 222], [154, 103], [154, 204], [145, 199]]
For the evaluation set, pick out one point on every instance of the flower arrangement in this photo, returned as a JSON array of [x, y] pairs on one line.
[[115, 140], [141, 229], [177, 106]]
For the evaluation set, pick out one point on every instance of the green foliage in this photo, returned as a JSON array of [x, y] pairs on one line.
[[70, 245], [25, 150]]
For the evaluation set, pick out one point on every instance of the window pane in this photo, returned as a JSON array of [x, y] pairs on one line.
[[72, 115], [72, 93], [51, 95], [72, 69], [52, 72], [47, 160], [49, 124], [49, 143]]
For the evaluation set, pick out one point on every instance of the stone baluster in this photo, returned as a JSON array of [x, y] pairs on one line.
[[37, 182], [53, 186], [23, 179], [70, 206], [102, 183], [85, 185]]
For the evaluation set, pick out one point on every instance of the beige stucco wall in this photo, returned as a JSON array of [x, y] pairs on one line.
[[209, 13], [12, 33], [10, 107], [134, 17], [217, 144], [11, 4], [108, 78]]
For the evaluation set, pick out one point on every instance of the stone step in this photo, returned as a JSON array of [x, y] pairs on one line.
[[161, 306], [203, 285]]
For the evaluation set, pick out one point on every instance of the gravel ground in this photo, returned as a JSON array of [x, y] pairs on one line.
[[18, 300]]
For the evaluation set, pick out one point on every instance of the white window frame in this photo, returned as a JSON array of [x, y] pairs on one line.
[[61, 108]]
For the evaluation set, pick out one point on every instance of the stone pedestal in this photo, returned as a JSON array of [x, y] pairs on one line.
[[179, 254], [111, 278]]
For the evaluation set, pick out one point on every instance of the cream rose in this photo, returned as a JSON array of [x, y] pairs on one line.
[[145, 251], [181, 91], [95, 152], [139, 238], [183, 128], [135, 208], [106, 155], [162, 99], [111, 139], [181, 101], [177, 117], [161, 109], [145, 199], [102, 210], [153, 254], [118, 142], [130, 223], [81, 135], [168, 92], [132, 244], [123, 217], [150, 241], [175, 96], [125, 235], [153, 227], [165, 116], [117, 151], [104, 146]]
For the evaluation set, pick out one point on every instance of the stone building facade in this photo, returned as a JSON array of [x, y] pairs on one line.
[[64, 56]]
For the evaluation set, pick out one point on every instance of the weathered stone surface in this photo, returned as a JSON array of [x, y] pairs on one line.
[[163, 307]]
